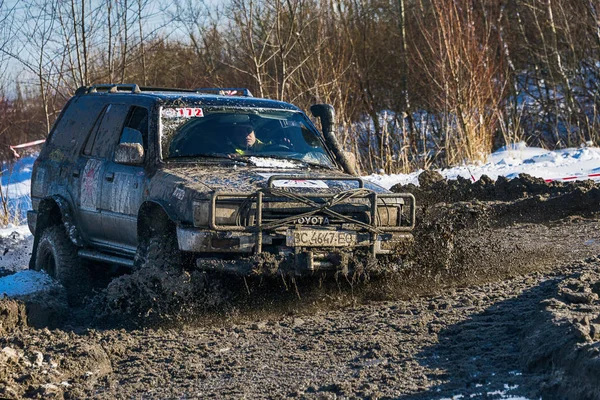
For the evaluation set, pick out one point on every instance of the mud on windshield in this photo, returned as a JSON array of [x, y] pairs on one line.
[[209, 133]]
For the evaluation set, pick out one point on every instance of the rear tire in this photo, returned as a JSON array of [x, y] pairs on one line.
[[57, 255]]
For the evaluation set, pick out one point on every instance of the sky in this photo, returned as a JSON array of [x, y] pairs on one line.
[[10, 69]]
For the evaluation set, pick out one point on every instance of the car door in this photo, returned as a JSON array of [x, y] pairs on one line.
[[123, 185], [91, 168]]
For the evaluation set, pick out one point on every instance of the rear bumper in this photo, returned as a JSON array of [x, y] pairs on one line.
[[32, 220]]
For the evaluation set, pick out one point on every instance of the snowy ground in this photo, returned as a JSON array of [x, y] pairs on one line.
[[15, 238], [565, 165], [16, 184]]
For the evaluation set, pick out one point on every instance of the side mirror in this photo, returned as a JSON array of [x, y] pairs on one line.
[[131, 135], [129, 153]]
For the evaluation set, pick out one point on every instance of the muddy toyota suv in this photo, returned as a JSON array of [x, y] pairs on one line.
[[139, 176]]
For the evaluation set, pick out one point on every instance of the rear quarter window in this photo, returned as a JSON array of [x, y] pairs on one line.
[[74, 125]]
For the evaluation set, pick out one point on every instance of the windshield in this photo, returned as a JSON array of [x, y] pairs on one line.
[[233, 133]]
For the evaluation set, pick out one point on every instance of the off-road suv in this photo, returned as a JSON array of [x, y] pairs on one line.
[[135, 176]]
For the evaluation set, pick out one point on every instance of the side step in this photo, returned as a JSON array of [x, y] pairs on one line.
[[108, 258]]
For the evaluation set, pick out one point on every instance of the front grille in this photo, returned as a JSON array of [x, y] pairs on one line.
[[370, 211], [274, 210], [356, 213]]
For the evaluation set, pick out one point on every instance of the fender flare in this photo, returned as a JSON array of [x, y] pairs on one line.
[[68, 220], [45, 217], [48, 216], [152, 206]]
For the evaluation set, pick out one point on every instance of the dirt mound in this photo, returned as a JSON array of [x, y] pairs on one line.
[[465, 228], [564, 338], [42, 301], [12, 316], [434, 190], [31, 365], [46, 364]]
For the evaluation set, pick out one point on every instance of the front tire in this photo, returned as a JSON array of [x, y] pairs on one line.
[[159, 251], [57, 255]]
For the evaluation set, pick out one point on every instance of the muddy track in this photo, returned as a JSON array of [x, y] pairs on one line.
[[498, 296]]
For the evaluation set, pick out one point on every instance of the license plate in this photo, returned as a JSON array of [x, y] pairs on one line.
[[320, 238]]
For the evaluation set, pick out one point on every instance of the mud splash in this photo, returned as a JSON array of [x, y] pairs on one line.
[[461, 243], [157, 297]]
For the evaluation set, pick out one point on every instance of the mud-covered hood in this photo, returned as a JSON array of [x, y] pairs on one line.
[[203, 178]]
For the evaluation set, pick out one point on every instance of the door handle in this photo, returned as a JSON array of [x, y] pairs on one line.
[[109, 177]]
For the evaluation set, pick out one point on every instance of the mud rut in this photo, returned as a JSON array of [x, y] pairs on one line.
[[499, 296]]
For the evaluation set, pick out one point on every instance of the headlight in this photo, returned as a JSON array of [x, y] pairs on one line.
[[388, 215], [225, 213]]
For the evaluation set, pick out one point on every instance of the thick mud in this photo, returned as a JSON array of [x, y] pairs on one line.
[[499, 296]]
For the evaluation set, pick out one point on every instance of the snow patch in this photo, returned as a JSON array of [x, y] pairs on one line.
[[26, 282], [264, 162], [510, 161], [13, 230]]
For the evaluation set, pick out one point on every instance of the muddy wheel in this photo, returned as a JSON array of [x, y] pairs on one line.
[[159, 251], [57, 255]]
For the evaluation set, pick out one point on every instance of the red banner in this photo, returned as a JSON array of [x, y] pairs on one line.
[[25, 145]]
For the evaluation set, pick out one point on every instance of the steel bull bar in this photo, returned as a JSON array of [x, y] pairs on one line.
[[322, 203]]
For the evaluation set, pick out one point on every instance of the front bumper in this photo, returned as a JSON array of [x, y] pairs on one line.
[[298, 260], [205, 241]]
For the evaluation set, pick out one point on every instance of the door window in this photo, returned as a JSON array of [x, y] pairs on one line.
[[109, 130], [136, 127]]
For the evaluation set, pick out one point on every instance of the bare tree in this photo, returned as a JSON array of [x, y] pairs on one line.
[[461, 63]]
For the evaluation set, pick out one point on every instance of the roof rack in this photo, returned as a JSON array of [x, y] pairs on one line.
[[125, 87], [226, 91], [114, 88], [134, 88]]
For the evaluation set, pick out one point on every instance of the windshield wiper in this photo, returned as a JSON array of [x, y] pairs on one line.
[[316, 164], [232, 158]]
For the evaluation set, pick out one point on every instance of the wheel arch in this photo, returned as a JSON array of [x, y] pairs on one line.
[[55, 210], [154, 217]]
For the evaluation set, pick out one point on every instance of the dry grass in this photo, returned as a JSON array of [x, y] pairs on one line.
[[8, 215]]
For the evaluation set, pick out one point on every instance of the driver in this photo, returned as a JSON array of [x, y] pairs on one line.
[[243, 139]]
